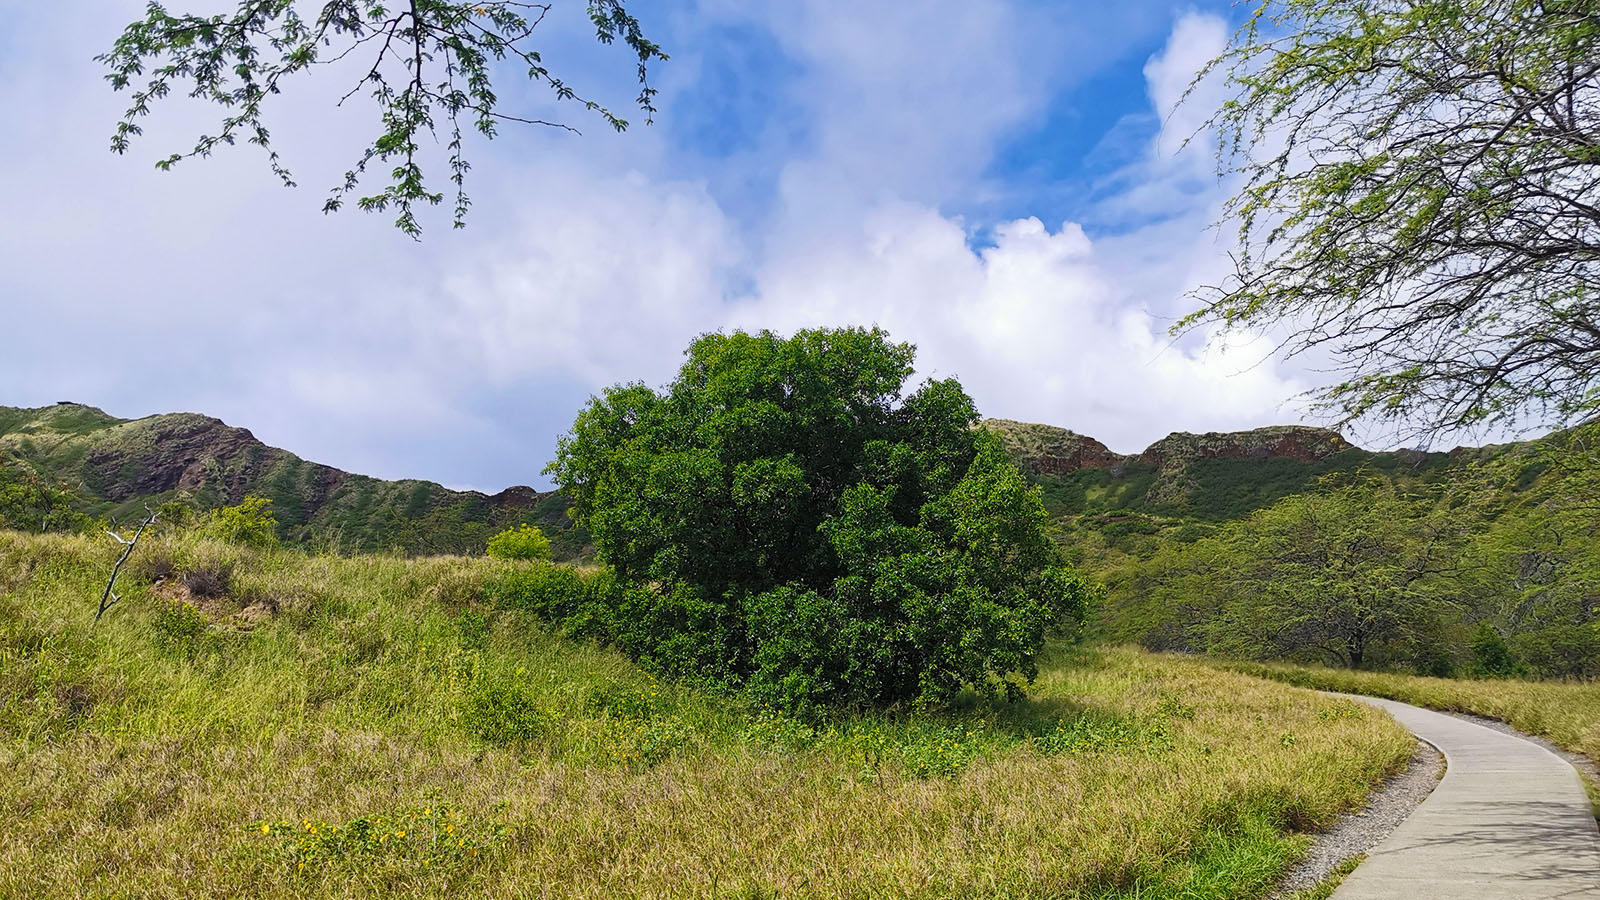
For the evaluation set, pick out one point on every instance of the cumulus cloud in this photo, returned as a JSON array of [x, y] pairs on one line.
[[1036, 326], [594, 280], [595, 260]]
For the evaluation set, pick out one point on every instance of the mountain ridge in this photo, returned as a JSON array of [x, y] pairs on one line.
[[116, 465], [121, 463]]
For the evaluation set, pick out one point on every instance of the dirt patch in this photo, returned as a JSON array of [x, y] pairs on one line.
[[219, 609], [257, 611]]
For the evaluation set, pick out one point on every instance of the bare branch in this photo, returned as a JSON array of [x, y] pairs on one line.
[[109, 598]]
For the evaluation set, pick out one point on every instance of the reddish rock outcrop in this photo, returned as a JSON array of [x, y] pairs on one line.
[[1048, 450], [1301, 442]]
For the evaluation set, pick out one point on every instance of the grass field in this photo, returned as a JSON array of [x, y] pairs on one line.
[[1565, 712], [372, 727]]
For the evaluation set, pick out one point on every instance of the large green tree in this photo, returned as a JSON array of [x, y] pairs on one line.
[[1421, 197], [800, 524], [1351, 575], [1537, 568], [427, 66]]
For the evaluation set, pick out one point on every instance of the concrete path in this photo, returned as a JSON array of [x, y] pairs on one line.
[[1509, 821]]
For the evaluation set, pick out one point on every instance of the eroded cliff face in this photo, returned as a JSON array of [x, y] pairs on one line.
[[1300, 442], [201, 455], [183, 452], [1048, 450], [118, 461]]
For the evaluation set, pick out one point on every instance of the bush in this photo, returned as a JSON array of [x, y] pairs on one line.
[[250, 523], [784, 517], [1491, 655], [505, 714], [549, 591], [207, 583], [177, 627], [522, 542]]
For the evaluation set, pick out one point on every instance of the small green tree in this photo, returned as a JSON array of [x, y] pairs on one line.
[[522, 542], [30, 503], [791, 520], [249, 522], [1491, 655]]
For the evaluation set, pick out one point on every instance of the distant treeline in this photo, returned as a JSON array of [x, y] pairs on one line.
[[1488, 568]]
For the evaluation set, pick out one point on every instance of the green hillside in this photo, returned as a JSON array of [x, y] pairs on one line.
[[102, 466], [78, 459]]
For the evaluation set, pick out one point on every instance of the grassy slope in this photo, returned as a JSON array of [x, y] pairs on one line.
[[161, 755], [1221, 490], [1567, 713], [360, 514]]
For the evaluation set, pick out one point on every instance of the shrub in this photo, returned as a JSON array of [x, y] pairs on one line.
[[783, 516], [177, 627], [434, 836], [507, 713], [549, 591], [207, 583], [250, 522], [1491, 655], [521, 542]]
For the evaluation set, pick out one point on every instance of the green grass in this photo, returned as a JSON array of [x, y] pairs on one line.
[[1564, 712], [371, 727]]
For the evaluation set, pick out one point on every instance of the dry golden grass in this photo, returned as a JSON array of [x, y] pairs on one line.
[[1565, 712], [159, 756]]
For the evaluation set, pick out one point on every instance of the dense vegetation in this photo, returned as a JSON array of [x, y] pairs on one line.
[[264, 722], [1514, 591], [1492, 569], [788, 518]]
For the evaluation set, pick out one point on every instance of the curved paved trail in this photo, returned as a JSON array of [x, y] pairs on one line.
[[1509, 821]]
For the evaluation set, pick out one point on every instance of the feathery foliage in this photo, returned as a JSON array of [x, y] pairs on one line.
[[1421, 195], [426, 64]]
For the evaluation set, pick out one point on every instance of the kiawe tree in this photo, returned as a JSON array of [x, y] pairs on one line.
[[799, 524], [428, 66], [1347, 575], [1421, 196]]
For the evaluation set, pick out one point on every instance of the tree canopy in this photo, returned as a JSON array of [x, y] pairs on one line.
[[427, 65], [1421, 195], [1342, 573], [806, 527]]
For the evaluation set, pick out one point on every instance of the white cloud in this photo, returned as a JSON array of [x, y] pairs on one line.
[[1037, 326], [600, 279], [1196, 39], [598, 260]]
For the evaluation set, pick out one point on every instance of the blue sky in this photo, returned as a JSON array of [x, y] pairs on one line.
[[999, 182]]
